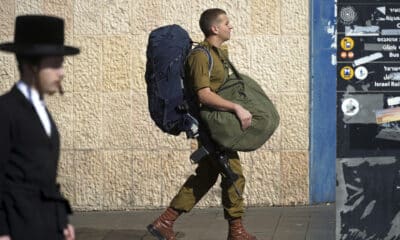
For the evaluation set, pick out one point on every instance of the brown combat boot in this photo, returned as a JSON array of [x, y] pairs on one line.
[[162, 226], [237, 231]]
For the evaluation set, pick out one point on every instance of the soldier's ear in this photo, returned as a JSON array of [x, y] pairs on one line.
[[214, 29]]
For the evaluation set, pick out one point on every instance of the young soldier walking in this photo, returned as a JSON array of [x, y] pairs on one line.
[[216, 27]]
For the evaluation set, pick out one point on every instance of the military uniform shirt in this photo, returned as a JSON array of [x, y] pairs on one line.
[[197, 68]]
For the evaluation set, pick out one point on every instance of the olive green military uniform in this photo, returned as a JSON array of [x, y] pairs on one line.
[[207, 172]]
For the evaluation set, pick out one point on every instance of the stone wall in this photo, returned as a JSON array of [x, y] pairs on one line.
[[113, 156]]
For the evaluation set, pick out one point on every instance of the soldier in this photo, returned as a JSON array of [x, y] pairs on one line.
[[31, 205], [217, 29]]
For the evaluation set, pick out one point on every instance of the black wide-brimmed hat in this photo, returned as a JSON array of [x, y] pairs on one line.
[[39, 35]]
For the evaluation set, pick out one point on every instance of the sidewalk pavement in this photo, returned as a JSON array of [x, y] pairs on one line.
[[267, 223]]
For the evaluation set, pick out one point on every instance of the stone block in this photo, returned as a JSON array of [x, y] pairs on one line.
[[66, 165], [146, 135], [87, 17], [296, 102], [116, 63], [176, 168], [87, 120], [28, 7], [263, 187], [295, 17], [138, 45], [295, 77], [147, 179], [7, 18], [267, 75], [116, 18], [118, 178], [90, 179], [294, 178], [265, 17], [7, 74], [240, 17], [172, 9], [295, 129], [117, 125], [68, 82], [87, 65], [293, 49], [146, 15], [240, 49], [62, 111]]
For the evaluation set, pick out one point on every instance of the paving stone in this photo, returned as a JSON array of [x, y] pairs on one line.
[[266, 223]]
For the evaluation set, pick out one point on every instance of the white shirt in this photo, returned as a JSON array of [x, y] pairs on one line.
[[33, 96]]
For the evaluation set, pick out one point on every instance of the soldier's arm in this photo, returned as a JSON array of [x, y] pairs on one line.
[[209, 98], [199, 73]]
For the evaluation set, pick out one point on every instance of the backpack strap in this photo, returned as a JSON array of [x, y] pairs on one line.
[[210, 60]]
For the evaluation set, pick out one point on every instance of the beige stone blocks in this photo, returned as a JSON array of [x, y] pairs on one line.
[[90, 174], [263, 178], [176, 168], [294, 17], [294, 122], [68, 80], [113, 155], [116, 63], [294, 178], [145, 16], [147, 179], [240, 51], [117, 180], [265, 17], [117, 121], [294, 48], [7, 16], [88, 17], [28, 7], [87, 120], [88, 64], [62, 111], [7, 74], [138, 45], [116, 16], [67, 175], [177, 12]]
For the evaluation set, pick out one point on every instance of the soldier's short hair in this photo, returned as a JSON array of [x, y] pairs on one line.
[[208, 18]]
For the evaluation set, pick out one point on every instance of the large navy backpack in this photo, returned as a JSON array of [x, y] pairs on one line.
[[167, 50]]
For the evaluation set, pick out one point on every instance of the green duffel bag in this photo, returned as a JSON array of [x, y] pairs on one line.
[[225, 127]]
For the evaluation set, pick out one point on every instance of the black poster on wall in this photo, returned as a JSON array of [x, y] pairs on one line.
[[368, 120], [368, 78]]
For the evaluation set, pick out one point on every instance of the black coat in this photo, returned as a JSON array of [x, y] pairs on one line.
[[31, 206]]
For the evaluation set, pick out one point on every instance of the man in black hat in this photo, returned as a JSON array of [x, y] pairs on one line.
[[31, 205]]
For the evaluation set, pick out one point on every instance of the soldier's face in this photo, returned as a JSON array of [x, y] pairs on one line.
[[224, 27], [50, 74]]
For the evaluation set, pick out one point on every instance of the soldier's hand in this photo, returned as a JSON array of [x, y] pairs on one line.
[[244, 116], [6, 237], [69, 232]]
